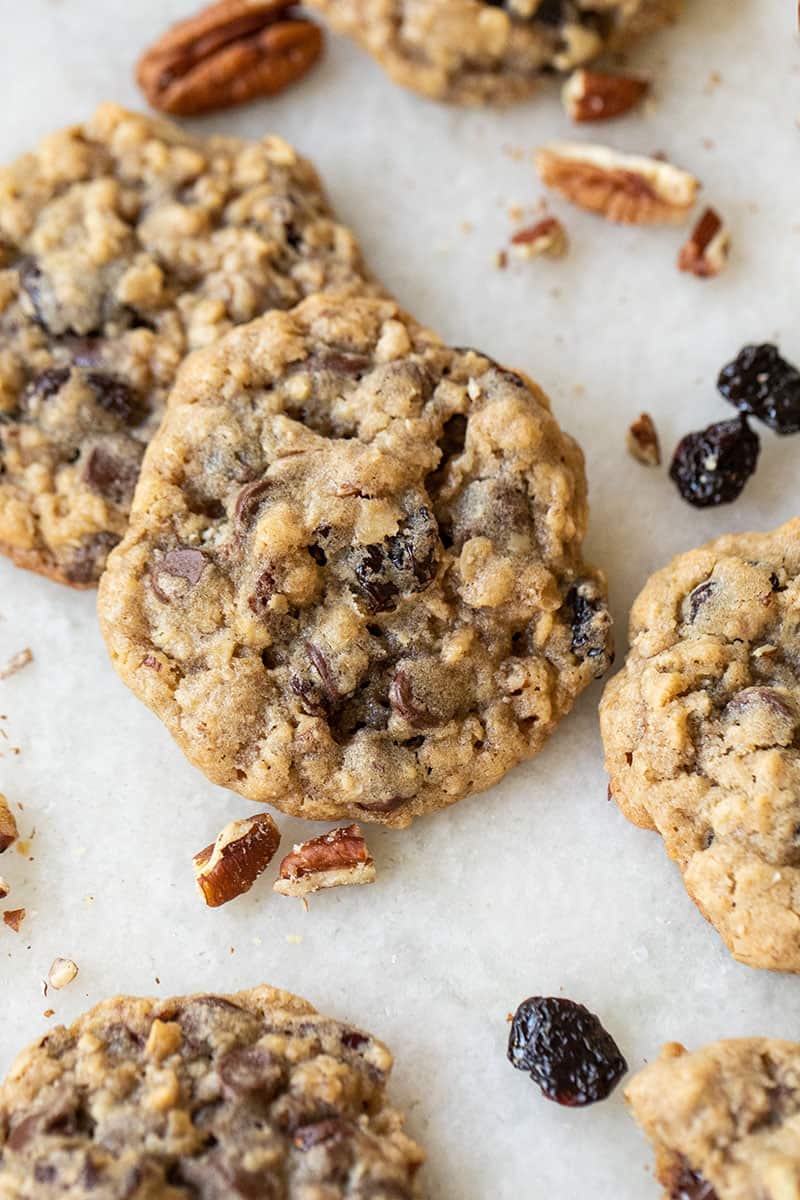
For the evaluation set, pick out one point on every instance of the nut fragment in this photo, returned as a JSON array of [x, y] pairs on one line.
[[642, 441], [62, 972], [547, 236], [8, 825], [336, 859], [228, 53], [14, 918], [628, 188], [230, 866], [597, 96], [16, 663], [706, 252], [5, 888]]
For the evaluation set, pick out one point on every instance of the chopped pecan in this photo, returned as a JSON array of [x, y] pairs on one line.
[[706, 251], [14, 918], [5, 888], [335, 859], [8, 825], [230, 866], [596, 96], [16, 663], [62, 972], [642, 441], [628, 188], [229, 53], [547, 236]]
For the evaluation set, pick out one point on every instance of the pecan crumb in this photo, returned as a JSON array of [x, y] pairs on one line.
[[338, 858], [14, 918], [627, 188], [230, 52], [230, 866], [706, 251], [547, 236], [8, 825], [16, 663], [598, 96], [5, 888], [61, 973], [642, 441]]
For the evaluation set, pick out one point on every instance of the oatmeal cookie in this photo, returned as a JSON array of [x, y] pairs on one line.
[[724, 1121], [125, 243], [353, 585], [250, 1095], [702, 734], [489, 51]]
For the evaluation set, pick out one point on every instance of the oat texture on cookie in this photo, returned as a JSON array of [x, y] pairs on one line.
[[724, 1120], [702, 734], [489, 51], [353, 584], [124, 244], [253, 1094]]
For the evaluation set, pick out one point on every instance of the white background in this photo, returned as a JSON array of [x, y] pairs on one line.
[[540, 886]]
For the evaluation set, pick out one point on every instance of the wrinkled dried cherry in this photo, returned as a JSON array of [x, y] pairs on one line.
[[566, 1051], [712, 465], [759, 381]]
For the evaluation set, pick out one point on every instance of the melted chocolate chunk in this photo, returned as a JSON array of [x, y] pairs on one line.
[[117, 398], [110, 475], [88, 559], [251, 1070]]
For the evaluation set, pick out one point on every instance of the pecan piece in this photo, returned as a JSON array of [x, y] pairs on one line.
[[230, 866], [337, 858], [642, 441], [16, 663], [230, 52], [8, 825], [627, 188], [547, 236], [706, 251], [14, 918], [5, 888], [596, 96]]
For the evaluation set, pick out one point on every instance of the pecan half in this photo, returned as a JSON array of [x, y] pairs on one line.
[[8, 825], [231, 52], [628, 188], [547, 236], [596, 96], [336, 859], [706, 251], [642, 441], [230, 866]]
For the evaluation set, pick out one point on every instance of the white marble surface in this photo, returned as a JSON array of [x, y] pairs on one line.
[[540, 886]]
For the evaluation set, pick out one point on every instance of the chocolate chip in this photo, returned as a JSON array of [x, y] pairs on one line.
[[216, 1178], [44, 1172], [318, 554], [183, 563], [110, 475], [249, 1070], [88, 560], [48, 384], [354, 1040], [699, 596], [385, 806], [343, 363], [248, 502], [116, 397], [204, 1017], [24, 1132]]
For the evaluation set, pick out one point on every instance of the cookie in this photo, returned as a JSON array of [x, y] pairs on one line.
[[489, 51], [702, 734], [250, 1095], [724, 1121], [353, 585], [125, 243]]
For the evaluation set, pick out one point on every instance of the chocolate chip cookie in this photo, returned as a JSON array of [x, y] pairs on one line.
[[353, 585], [489, 51], [251, 1095], [702, 734], [724, 1121], [125, 243]]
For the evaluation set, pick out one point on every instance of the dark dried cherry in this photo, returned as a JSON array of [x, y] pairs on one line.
[[405, 562], [566, 1050], [687, 1184], [760, 382], [590, 622], [712, 465]]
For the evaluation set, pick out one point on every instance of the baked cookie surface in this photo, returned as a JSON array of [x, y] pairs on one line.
[[125, 243], [250, 1095], [702, 734], [353, 585], [477, 51], [724, 1120]]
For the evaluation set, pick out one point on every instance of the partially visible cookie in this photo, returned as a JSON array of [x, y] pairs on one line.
[[236, 1097], [125, 243], [724, 1121], [489, 51], [702, 734], [353, 584]]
